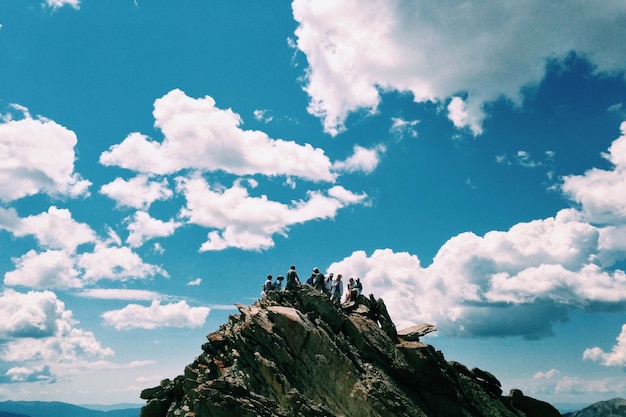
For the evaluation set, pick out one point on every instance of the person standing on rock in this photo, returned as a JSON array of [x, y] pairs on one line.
[[318, 280], [292, 279], [336, 290], [328, 283]]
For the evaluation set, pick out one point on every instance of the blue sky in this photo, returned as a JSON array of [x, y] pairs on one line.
[[157, 161]]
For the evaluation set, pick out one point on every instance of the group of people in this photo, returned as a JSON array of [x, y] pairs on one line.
[[330, 285]]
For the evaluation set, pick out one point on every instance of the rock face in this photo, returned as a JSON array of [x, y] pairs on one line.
[[294, 353]]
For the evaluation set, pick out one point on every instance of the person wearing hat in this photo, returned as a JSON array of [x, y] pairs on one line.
[[318, 280], [278, 285]]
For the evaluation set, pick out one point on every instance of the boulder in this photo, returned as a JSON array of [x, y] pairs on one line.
[[414, 333]]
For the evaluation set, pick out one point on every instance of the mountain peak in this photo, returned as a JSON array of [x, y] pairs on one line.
[[295, 353]]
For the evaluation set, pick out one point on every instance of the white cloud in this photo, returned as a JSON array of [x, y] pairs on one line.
[[462, 116], [55, 4], [346, 196], [37, 155], [56, 229], [198, 135], [45, 270], [58, 266], [34, 314], [400, 126], [438, 51], [119, 294], [40, 374], [9, 219], [610, 387], [363, 159], [67, 345], [617, 355], [247, 222], [115, 263], [555, 388], [517, 282], [135, 316], [143, 228], [38, 331], [602, 193], [264, 116], [552, 373], [195, 282], [58, 269], [139, 192]]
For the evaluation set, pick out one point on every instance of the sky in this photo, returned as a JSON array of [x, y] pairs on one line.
[[158, 159]]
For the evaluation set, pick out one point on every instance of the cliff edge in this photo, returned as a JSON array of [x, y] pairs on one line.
[[294, 353]]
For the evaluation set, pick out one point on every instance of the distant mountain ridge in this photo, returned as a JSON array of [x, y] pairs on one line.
[[611, 408], [58, 409]]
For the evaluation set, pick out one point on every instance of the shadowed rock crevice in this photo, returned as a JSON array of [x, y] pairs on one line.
[[294, 353]]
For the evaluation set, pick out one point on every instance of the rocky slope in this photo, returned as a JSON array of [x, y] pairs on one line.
[[294, 353]]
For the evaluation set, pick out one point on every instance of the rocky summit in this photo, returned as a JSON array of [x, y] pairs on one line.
[[295, 353]]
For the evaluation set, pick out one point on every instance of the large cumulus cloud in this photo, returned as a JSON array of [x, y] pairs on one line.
[[520, 281], [461, 54], [37, 156]]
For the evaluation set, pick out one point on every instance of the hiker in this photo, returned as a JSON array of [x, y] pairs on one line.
[[358, 287], [336, 290], [292, 279], [267, 285], [318, 280], [278, 285], [352, 292], [311, 279], [328, 283]]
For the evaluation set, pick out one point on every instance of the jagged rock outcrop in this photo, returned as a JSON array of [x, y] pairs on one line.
[[294, 353]]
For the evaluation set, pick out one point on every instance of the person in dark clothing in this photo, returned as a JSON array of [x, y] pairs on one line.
[[292, 279], [311, 279], [358, 287], [328, 283], [278, 285], [318, 280]]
